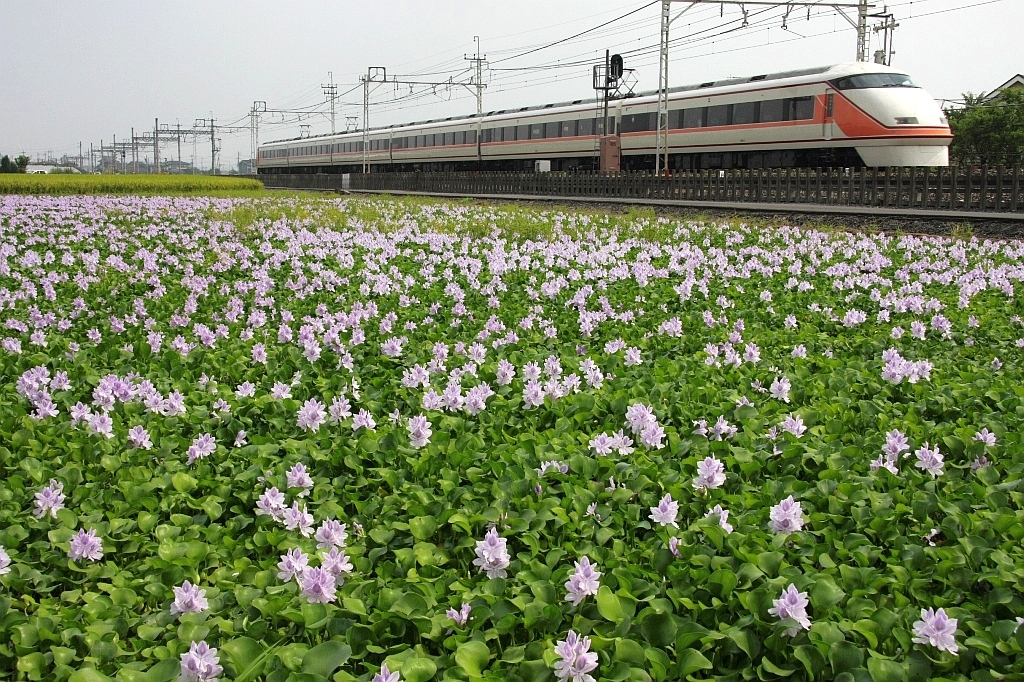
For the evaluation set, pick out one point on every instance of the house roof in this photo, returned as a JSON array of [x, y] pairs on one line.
[[1016, 81]]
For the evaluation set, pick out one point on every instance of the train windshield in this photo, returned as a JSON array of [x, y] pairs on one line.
[[875, 80]]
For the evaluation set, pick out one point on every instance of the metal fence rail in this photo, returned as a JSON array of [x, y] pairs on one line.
[[992, 189]]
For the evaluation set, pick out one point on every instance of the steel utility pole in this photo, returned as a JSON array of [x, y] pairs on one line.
[[156, 145], [887, 28], [861, 24], [331, 93], [178, 124], [478, 81]]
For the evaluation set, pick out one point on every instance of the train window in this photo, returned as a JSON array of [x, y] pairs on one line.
[[599, 126], [585, 127], [470, 137], [635, 123], [536, 131], [508, 134], [718, 115], [460, 137], [569, 128], [522, 133], [744, 113], [449, 139], [427, 141], [553, 129], [385, 143], [875, 80], [675, 119], [772, 110], [801, 109], [694, 118], [359, 146]]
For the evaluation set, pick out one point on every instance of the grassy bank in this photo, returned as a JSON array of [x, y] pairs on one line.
[[54, 184]]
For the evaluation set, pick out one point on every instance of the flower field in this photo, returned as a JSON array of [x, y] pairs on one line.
[[295, 439], [67, 183]]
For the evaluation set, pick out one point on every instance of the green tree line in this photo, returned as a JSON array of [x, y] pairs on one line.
[[18, 165], [988, 130]]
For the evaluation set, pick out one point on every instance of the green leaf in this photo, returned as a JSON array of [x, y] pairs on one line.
[[422, 527], [659, 629], [325, 658], [418, 670], [472, 657], [825, 593], [88, 675], [164, 671], [845, 656], [690, 661], [885, 671], [32, 664], [746, 640], [608, 605], [628, 651], [183, 483], [812, 659], [242, 652]]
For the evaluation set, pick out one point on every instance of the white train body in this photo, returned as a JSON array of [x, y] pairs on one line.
[[849, 114]]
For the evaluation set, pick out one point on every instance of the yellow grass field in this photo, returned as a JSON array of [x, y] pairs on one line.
[[53, 184]]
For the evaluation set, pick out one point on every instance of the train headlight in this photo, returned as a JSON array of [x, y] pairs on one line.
[[906, 120]]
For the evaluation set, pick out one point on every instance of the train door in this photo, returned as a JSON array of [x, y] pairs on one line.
[[828, 120]]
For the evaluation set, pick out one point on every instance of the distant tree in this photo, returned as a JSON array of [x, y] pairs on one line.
[[22, 163], [6, 166], [988, 130]]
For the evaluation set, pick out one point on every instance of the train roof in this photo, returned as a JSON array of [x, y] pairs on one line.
[[834, 71]]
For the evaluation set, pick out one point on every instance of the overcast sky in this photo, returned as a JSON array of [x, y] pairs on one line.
[[84, 70]]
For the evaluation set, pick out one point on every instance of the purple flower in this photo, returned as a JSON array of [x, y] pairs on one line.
[[786, 516], [363, 420], [201, 448], [638, 416], [780, 389], [139, 437], [492, 554], [49, 500], [794, 425], [318, 585], [666, 511], [930, 460], [419, 431], [337, 563], [296, 518], [5, 561], [710, 474], [985, 436], [200, 664], [723, 517], [792, 604], [577, 661], [189, 599], [240, 438], [652, 436], [673, 546], [937, 629], [298, 477], [386, 675], [101, 424], [293, 563], [460, 617], [601, 444], [86, 546], [330, 534], [311, 415], [271, 503], [281, 391], [582, 582]]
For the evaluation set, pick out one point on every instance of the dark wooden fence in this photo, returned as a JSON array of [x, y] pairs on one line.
[[964, 189]]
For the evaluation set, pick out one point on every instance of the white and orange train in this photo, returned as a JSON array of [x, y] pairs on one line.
[[847, 115]]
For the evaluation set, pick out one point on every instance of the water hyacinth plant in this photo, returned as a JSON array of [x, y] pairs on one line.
[[353, 439]]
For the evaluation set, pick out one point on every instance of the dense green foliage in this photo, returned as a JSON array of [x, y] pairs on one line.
[[18, 165], [876, 548], [128, 184], [988, 130]]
